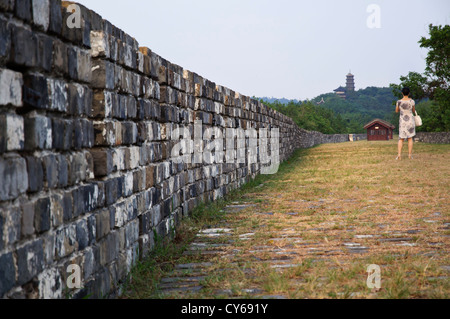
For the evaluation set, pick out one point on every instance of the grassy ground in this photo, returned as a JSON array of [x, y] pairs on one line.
[[316, 226]]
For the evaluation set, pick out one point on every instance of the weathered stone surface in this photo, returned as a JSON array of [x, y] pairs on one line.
[[38, 132], [41, 13], [7, 273], [12, 136], [10, 87], [30, 261], [42, 215], [14, 177]]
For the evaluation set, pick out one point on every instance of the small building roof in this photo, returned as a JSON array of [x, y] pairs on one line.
[[381, 122], [340, 89]]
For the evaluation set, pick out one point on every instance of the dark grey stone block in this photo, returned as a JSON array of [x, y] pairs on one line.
[[35, 174], [42, 215], [60, 58], [35, 91], [67, 206], [78, 202], [7, 273], [82, 234], [44, 53], [50, 165], [111, 191], [23, 10], [63, 171], [90, 196], [5, 39], [30, 261], [14, 177], [55, 25], [23, 47]]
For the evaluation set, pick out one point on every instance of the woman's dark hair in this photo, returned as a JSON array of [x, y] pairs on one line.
[[406, 91]]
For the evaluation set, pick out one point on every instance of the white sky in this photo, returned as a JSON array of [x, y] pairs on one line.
[[282, 48]]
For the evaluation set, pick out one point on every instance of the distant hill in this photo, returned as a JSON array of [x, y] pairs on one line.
[[358, 109]]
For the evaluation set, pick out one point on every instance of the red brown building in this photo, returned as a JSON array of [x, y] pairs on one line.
[[379, 130]]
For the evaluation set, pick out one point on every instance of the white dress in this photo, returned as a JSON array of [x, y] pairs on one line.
[[407, 126]]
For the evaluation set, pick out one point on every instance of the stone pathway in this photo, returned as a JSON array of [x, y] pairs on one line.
[[285, 250], [313, 234]]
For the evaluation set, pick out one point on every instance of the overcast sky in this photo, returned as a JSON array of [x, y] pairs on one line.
[[283, 48]]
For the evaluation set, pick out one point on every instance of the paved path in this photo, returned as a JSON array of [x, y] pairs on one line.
[[291, 242]]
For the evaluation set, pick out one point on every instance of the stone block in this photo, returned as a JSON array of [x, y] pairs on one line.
[[129, 133], [35, 91], [42, 214], [41, 13], [104, 104], [30, 261], [103, 161], [12, 136], [99, 44], [77, 168], [14, 176], [109, 248], [57, 93], [10, 226], [60, 57], [10, 88], [90, 197], [79, 99], [67, 206], [23, 47], [83, 134], [50, 165], [5, 39], [65, 241], [35, 174], [23, 10], [57, 209], [7, 273], [82, 234], [55, 24], [38, 132], [105, 133], [62, 134], [102, 74], [79, 64], [103, 223], [27, 219]]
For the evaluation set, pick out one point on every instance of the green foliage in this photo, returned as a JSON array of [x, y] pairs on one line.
[[415, 82], [434, 83], [312, 117], [339, 116], [361, 107]]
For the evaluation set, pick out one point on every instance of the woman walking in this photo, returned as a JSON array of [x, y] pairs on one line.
[[406, 107]]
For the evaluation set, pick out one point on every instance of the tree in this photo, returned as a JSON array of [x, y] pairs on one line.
[[434, 83], [416, 82]]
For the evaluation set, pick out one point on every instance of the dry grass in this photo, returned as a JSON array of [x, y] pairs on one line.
[[325, 202]]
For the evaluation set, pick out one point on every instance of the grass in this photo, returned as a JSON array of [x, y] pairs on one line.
[[342, 194]]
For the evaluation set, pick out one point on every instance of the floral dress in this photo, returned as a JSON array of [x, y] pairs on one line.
[[407, 125]]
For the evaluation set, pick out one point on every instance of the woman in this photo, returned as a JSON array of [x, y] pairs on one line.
[[407, 127]]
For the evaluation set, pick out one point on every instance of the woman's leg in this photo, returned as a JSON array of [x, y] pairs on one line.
[[400, 147], [410, 146]]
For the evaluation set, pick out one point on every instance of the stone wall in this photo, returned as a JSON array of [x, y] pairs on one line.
[[434, 138], [86, 173]]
